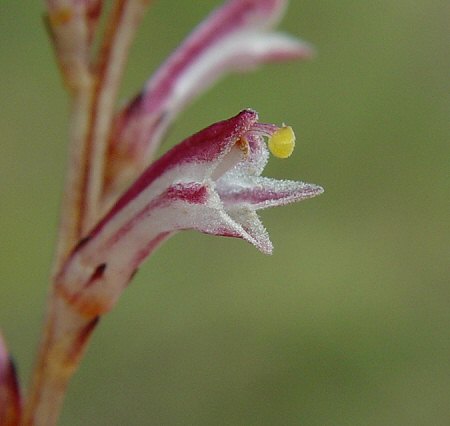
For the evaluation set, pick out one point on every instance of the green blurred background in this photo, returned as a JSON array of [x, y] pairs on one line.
[[348, 322]]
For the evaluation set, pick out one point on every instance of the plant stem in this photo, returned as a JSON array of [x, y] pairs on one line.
[[62, 346], [70, 230], [66, 332], [121, 29], [93, 100]]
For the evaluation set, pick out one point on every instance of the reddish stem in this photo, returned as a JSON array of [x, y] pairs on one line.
[[66, 332]]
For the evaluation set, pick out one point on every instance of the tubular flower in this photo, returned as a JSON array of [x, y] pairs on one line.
[[209, 182]]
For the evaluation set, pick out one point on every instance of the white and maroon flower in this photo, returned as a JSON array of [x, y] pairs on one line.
[[210, 182]]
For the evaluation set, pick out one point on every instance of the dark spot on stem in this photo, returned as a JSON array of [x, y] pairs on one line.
[[99, 271], [133, 274], [81, 339], [96, 275], [81, 243]]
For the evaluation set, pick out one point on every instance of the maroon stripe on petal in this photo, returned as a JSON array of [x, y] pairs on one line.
[[190, 192], [142, 254], [267, 192], [194, 193]]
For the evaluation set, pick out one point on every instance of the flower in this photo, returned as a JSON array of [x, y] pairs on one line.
[[210, 182]]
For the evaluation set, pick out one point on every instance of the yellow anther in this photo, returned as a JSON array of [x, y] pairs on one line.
[[282, 142], [242, 144]]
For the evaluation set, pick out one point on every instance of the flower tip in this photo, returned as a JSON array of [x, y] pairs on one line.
[[282, 142], [307, 50], [264, 245], [267, 251], [250, 114], [318, 190], [313, 190]]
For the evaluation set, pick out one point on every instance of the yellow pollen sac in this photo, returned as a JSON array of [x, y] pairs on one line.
[[282, 142], [242, 144]]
